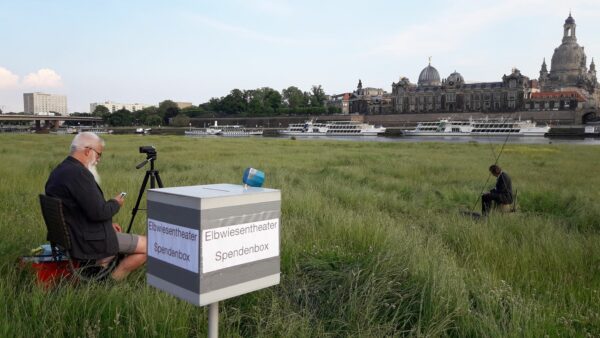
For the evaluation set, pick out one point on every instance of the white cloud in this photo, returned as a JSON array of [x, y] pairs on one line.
[[8, 80], [44, 77]]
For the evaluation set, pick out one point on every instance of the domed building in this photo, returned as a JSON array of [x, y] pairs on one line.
[[453, 94], [568, 66], [429, 76], [455, 79], [569, 85]]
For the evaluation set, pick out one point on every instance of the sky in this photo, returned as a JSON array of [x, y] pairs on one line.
[[148, 51]]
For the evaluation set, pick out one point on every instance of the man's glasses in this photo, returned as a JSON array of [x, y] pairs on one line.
[[97, 153]]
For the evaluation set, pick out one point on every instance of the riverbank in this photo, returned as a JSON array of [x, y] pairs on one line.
[[372, 242]]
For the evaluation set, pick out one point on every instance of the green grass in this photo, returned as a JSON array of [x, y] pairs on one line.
[[372, 242]]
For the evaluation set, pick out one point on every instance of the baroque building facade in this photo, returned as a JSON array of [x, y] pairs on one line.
[[453, 94], [370, 101], [569, 85]]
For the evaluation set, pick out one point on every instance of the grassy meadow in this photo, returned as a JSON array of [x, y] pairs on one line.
[[372, 242]]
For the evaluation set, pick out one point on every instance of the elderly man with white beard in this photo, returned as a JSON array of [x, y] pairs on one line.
[[94, 236]]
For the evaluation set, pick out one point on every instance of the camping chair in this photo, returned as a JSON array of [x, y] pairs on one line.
[[60, 241], [508, 208]]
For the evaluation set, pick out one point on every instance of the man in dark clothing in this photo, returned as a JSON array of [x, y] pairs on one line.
[[88, 215], [501, 194]]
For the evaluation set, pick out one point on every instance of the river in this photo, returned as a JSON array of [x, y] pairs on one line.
[[457, 139]]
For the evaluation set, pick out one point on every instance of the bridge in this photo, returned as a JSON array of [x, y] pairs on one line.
[[49, 122]]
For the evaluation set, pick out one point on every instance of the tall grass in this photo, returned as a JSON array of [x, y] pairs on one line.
[[372, 241]]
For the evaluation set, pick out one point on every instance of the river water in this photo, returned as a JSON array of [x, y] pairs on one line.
[[457, 139]]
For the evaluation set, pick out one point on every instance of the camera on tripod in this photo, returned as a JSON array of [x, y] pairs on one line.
[[151, 175], [150, 150]]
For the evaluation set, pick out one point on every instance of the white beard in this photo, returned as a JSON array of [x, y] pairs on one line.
[[92, 168]]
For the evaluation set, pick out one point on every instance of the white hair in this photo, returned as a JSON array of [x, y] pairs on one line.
[[85, 139]]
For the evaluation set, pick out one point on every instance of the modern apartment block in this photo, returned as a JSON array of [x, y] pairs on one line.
[[43, 104], [114, 106], [182, 105]]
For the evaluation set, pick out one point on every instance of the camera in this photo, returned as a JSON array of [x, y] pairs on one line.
[[150, 150]]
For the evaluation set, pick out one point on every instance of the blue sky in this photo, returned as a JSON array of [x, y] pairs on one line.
[[148, 51]]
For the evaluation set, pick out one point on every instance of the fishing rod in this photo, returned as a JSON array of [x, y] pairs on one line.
[[497, 158]]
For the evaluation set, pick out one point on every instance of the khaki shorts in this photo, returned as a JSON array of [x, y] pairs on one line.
[[127, 242]]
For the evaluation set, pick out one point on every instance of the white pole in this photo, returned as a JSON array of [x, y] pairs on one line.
[[213, 320]]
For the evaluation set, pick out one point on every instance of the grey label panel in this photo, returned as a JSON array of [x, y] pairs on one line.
[[182, 201], [222, 217], [238, 274], [173, 289], [174, 274], [238, 289], [184, 217]]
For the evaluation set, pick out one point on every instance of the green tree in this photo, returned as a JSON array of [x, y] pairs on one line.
[[194, 111], [255, 102], [293, 97], [153, 120], [233, 103], [213, 105], [103, 112], [100, 111], [122, 117], [272, 98], [317, 97], [180, 120], [167, 110], [333, 110]]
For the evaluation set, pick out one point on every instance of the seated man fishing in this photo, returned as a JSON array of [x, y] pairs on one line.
[[501, 194], [94, 236]]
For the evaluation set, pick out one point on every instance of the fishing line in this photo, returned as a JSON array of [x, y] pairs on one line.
[[497, 158]]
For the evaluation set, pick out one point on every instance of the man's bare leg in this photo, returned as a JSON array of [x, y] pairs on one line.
[[131, 261]]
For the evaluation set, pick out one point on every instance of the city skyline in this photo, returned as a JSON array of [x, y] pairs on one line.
[[185, 51]]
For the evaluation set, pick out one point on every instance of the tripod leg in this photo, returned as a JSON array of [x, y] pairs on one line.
[[137, 203], [160, 184]]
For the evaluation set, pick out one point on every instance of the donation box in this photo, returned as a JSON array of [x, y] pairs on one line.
[[207, 243]]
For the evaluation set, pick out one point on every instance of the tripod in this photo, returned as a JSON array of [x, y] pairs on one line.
[[154, 177]]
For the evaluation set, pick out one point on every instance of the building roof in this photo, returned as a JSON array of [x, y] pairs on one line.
[[429, 77], [570, 20], [570, 94]]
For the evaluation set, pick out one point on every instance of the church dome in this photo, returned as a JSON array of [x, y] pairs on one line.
[[429, 77], [455, 79], [570, 20], [569, 58]]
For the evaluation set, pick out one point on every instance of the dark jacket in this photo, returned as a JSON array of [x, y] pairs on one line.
[[87, 214], [503, 188]]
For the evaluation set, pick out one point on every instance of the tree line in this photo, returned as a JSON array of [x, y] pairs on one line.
[[238, 103]]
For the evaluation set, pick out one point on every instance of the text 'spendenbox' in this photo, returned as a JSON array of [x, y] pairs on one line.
[[238, 244], [173, 244]]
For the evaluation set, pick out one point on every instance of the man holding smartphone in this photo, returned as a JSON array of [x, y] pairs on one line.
[[76, 183]]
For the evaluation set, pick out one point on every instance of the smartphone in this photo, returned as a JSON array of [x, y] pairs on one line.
[[123, 194]]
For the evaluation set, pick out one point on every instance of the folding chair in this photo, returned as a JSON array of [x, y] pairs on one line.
[[60, 241], [508, 208]]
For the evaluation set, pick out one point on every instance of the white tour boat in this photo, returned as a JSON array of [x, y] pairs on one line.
[[64, 131], [332, 128], [447, 127], [95, 130], [143, 131], [227, 130]]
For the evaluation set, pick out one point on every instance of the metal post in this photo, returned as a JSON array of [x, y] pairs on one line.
[[213, 320]]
